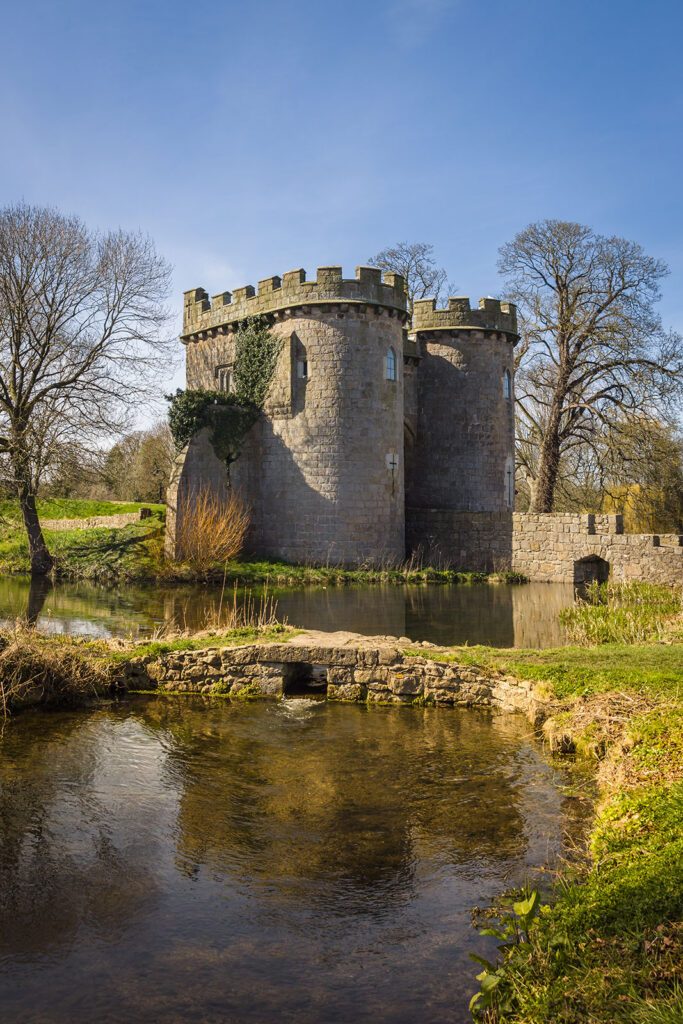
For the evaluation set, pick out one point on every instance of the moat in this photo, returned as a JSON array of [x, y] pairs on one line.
[[500, 615], [189, 860]]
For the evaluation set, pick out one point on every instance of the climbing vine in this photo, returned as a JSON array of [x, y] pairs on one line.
[[229, 416], [256, 355]]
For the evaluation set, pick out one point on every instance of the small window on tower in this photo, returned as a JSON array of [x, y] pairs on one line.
[[507, 385], [302, 369], [509, 483], [390, 369], [223, 377]]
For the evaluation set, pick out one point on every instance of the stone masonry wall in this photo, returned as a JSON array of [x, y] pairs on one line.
[[545, 547], [464, 447], [564, 547], [468, 541], [93, 522], [322, 471], [358, 669]]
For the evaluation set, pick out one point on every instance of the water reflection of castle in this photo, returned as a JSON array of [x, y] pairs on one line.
[[525, 615], [501, 615]]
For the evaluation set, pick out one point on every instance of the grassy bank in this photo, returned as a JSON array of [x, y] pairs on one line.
[[136, 552], [131, 552], [609, 948]]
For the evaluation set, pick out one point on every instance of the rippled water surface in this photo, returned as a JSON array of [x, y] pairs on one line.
[[197, 861], [502, 615]]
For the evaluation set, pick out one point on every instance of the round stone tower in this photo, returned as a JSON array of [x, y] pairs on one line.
[[461, 457], [322, 470]]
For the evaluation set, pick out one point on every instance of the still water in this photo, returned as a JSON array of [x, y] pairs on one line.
[[198, 861], [502, 615]]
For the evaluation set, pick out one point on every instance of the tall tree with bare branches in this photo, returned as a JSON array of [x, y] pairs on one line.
[[82, 332], [415, 262], [594, 354]]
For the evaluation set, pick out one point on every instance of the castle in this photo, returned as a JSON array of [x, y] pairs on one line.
[[381, 436]]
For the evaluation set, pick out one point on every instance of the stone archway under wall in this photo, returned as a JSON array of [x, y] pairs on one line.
[[591, 569]]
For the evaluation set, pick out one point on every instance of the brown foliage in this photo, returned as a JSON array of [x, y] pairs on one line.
[[211, 529], [44, 670]]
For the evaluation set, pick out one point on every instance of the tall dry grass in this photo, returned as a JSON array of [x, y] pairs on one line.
[[211, 529], [47, 670]]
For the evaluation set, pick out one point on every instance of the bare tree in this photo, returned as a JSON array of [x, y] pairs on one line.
[[138, 467], [82, 323], [415, 262], [594, 353]]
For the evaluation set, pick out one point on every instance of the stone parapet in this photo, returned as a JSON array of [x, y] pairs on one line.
[[568, 547], [491, 315], [370, 286]]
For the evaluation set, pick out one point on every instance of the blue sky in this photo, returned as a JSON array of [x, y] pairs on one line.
[[249, 139]]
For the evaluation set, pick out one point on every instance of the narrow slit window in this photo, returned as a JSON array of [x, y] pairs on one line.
[[302, 369], [390, 364], [507, 385], [509, 483]]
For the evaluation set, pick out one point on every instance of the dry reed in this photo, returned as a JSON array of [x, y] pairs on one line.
[[211, 529], [44, 670]]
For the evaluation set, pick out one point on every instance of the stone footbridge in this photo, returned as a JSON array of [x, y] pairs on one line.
[[340, 666]]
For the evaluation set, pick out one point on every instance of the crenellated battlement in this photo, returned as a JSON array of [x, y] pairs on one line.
[[492, 315], [370, 286]]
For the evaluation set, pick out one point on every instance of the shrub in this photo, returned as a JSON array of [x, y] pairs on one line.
[[211, 529]]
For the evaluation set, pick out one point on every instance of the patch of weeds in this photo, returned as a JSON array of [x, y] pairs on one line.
[[249, 691], [623, 613]]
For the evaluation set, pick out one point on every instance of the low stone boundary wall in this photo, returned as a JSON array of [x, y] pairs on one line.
[[565, 547], [351, 667], [93, 522], [562, 547]]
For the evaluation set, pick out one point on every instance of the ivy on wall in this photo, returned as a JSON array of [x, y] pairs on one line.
[[229, 416]]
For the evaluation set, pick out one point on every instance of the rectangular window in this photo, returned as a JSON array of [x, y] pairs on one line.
[[223, 376], [302, 369]]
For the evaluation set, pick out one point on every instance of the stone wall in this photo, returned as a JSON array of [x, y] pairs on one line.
[[469, 541], [565, 547], [93, 522], [323, 469], [463, 455], [203, 315], [545, 547], [372, 670]]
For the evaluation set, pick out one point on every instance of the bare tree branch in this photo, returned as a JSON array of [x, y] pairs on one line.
[[82, 329]]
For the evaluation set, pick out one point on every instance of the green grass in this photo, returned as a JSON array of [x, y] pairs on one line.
[[652, 669], [283, 574], [609, 948], [228, 638], [132, 552]]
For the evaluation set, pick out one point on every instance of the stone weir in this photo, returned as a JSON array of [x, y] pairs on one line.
[[340, 666]]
